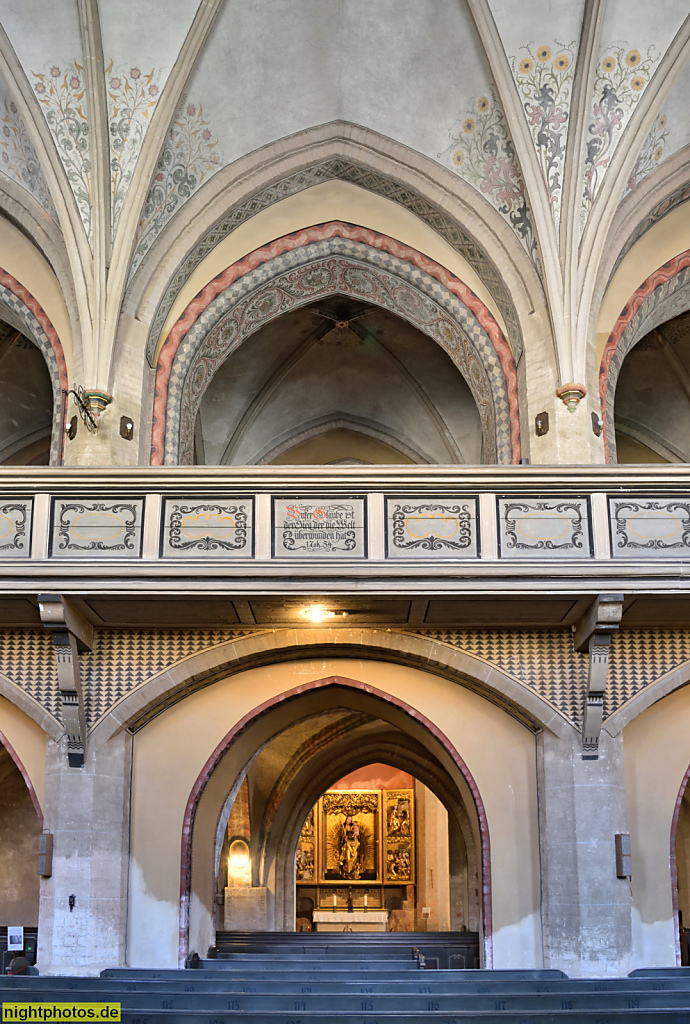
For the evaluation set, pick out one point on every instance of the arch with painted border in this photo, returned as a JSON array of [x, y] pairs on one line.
[[665, 294], [651, 694], [21, 310], [25, 775], [375, 697], [312, 264], [279, 844], [339, 151]]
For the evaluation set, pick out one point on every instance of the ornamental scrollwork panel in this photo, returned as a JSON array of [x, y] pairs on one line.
[[319, 527], [431, 527], [100, 529], [15, 528], [213, 527], [649, 527], [549, 527]]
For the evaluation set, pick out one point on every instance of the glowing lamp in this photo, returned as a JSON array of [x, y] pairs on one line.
[[239, 855]]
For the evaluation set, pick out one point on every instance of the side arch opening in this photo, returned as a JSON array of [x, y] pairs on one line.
[[263, 780]]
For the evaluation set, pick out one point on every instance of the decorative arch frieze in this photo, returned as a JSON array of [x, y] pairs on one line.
[[301, 268], [22, 311], [346, 169], [664, 295]]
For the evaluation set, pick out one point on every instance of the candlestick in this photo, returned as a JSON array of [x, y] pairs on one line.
[[365, 901]]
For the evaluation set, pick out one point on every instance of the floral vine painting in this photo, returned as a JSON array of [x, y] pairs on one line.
[[622, 76], [132, 95], [18, 158], [190, 156], [651, 154], [482, 152], [544, 77], [60, 91]]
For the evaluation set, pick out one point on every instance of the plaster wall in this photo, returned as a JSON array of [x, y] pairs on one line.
[[657, 754], [171, 750], [19, 831], [28, 741], [433, 865]]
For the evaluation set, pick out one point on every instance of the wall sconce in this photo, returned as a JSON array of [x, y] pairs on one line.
[[71, 430], [45, 854], [126, 427], [623, 855], [541, 424], [597, 424], [72, 900]]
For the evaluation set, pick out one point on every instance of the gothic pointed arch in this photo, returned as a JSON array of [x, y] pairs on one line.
[[165, 689], [664, 295], [337, 152], [333, 258], [261, 719], [21, 310]]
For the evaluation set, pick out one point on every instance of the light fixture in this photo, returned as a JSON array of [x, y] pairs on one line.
[[239, 855], [126, 428], [317, 613], [541, 424]]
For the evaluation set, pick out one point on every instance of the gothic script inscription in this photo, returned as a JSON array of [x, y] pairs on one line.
[[319, 527]]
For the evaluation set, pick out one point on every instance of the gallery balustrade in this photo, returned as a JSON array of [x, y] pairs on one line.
[[317, 522]]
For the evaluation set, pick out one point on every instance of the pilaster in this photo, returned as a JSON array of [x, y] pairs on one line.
[[586, 908], [87, 810]]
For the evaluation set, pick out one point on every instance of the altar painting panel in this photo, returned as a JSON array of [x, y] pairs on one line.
[[350, 824], [305, 860], [398, 835]]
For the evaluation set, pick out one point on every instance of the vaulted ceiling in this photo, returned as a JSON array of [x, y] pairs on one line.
[[561, 125]]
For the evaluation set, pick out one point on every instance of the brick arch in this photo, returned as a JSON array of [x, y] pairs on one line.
[[311, 264], [665, 294], [282, 700], [21, 310]]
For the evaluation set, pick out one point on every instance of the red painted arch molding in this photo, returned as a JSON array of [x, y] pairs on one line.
[[661, 276], [297, 240], [262, 709]]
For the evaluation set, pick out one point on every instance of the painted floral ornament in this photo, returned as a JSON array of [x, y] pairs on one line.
[[571, 395]]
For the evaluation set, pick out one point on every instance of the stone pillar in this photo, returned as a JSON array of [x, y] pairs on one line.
[[87, 810], [586, 909]]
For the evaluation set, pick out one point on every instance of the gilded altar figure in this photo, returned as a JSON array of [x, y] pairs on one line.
[[350, 845], [350, 836]]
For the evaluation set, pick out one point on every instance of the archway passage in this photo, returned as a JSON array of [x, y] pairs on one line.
[[311, 266], [379, 852], [680, 872], [263, 781], [19, 831], [26, 401], [338, 381], [652, 403]]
